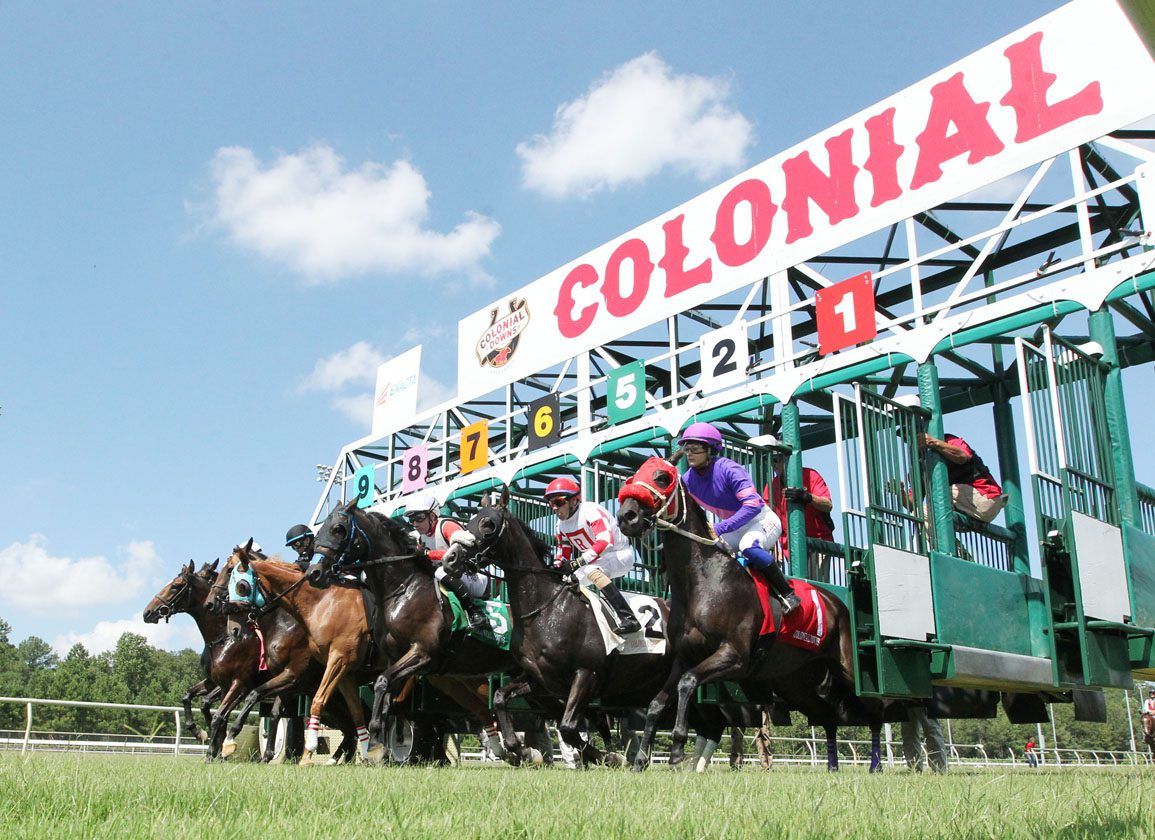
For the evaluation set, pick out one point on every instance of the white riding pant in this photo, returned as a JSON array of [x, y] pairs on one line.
[[474, 583], [612, 563], [763, 530]]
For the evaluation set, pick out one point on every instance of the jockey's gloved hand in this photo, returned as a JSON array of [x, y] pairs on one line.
[[415, 535], [798, 494], [463, 537], [589, 556]]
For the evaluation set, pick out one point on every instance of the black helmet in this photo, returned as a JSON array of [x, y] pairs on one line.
[[297, 532]]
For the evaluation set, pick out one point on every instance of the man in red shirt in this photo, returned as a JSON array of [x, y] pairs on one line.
[[973, 489], [815, 496]]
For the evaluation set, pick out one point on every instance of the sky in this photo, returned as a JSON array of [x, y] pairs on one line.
[[218, 219]]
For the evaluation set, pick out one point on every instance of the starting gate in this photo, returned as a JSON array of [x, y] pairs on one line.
[[845, 297]]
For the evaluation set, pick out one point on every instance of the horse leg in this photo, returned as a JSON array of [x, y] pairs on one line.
[[653, 713], [875, 748], [335, 670], [190, 723], [274, 724], [515, 751], [411, 662], [832, 748], [221, 718], [279, 683], [580, 691], [473, 696], [348, 690], [722, 663], [207, 708]]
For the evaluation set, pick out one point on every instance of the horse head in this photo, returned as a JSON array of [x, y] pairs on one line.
[[223, 590], [175, 597], [649, 494], [342, 538]]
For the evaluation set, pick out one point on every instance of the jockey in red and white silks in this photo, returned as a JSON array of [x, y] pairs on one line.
[[1149, 704], [591, 546]]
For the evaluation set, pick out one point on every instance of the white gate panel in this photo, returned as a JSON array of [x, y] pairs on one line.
[[905, 604]]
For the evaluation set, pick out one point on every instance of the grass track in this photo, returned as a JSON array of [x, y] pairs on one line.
[[47, 795]]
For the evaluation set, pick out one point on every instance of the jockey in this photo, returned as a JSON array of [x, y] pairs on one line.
[[435, 535], [590, 544], [744, 522], [1149, 704], [300, 539]]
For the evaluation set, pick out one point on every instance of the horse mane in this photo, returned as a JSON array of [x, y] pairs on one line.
[[541, 548], [399, 531]]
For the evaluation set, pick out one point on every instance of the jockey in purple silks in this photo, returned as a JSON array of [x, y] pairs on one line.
[[743, 523]]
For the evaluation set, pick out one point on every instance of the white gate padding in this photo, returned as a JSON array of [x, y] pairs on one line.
[[902, 584], [1102, 573]]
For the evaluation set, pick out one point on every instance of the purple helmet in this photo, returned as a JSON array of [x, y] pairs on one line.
[[701, 433]]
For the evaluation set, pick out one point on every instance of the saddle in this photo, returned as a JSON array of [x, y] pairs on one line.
[[805, 627]]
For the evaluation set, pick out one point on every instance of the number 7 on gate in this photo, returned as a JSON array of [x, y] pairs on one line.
[[474, 446]]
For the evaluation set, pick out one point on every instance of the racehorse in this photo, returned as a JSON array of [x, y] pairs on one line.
[[331, 627], [416, 633], [1149, 732], [558, 645], [715, 618], [233, 661]]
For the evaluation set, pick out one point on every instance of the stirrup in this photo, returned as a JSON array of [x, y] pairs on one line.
[[478, 623], [790, 602], [627, 625]]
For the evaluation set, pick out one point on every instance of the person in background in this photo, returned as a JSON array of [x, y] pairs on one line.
[[1029, 752], [743, 522], [973, 489], [300, 539], [935, 745], [814, 495]]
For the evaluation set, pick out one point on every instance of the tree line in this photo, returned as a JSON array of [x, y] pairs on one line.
[[136, 672]]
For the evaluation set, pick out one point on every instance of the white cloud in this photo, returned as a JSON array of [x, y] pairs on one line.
[[632, 123], [35, 580], [310, 212], [181, 633], [355, 367]]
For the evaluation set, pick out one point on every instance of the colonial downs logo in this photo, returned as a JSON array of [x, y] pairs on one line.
[[497, 344]]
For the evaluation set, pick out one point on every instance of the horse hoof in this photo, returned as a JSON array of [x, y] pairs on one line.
[[306, 759], [228, 748], [202, 736], [376, 755], [877, 769], [533, 757], [613, 759]]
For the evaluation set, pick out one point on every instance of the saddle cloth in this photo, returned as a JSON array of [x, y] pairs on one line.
[[496, 612], [805, 627], [650, 639]]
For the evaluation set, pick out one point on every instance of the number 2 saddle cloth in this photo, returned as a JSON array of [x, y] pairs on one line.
[[650, 639]]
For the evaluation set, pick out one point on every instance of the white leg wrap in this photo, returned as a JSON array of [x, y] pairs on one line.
[[363, 741], [311, 730]]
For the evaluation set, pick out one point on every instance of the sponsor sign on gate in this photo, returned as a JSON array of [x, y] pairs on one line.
[[1065, 79], [395, 397]]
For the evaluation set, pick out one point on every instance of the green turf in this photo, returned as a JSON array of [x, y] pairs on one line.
[[50, 795]]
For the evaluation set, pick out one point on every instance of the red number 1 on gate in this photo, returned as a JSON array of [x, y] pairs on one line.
[[845, 314]]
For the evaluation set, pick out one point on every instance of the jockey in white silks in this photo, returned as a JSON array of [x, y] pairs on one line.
[[590, 544], [435, 535]]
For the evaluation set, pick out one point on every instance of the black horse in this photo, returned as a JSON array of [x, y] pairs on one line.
[[715, 619], [557, 643], [415, 627]]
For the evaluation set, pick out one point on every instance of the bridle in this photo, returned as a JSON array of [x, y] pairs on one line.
[[166, 610], [679, 494], [354, 531]]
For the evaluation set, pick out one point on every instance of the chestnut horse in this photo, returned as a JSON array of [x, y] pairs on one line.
[[417, 623], [233, 662], [715, 618], [335, 633]]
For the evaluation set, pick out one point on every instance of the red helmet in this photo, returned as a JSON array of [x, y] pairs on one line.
[[563, 486]]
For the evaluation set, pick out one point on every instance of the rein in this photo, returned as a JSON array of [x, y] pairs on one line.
[[167, 604]]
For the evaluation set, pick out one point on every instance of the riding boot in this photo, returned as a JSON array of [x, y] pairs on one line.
[[762, 560], [627, 622], [478, 623]]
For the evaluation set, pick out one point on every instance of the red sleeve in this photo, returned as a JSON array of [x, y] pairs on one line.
[[816, 484], [564, 550], [961, 444], [599, 527], [448, 529]]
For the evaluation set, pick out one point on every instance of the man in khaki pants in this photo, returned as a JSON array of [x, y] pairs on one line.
[[973, 489]]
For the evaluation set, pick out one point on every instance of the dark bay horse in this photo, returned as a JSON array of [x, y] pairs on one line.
[[557, 643], [715, 616], [417, 634], [232, 663]]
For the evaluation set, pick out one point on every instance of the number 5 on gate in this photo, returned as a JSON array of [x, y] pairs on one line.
[[626, 392], [474, 446]]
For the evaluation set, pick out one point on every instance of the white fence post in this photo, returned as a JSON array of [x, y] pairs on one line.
[[27, 727], [176, 740]]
